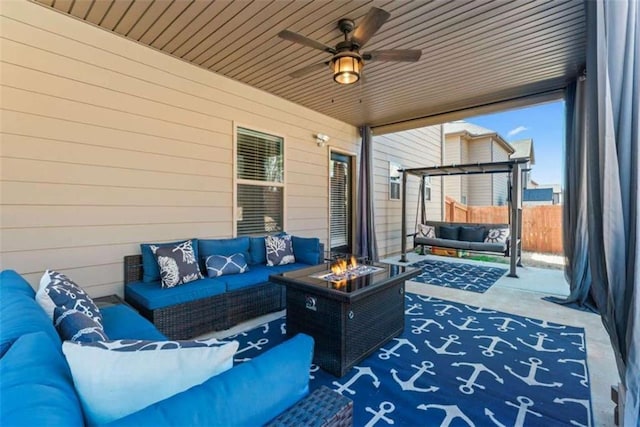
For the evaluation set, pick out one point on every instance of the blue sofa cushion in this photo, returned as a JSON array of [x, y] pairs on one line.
[[221, 265], [57, 290], [150, 270], [449, 232], [20, 314], [225, 247], [306, 249], [258, 274], [250, 394], [36, 386], [76, 326], [117, 378], [279, 250], [152, 296], [178, 264], [258, 250], [471, 234], [287, 267], [122, 322], [11, 283]]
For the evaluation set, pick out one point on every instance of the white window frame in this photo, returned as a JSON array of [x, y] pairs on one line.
[[395, 179], [427, 185], [236, 213]]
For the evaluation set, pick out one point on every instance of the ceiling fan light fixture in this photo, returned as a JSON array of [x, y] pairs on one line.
[[347, 67]]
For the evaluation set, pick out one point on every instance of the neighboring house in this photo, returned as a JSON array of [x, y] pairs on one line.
[[399, 150], [523, 150], [543, 194], [469, 143]]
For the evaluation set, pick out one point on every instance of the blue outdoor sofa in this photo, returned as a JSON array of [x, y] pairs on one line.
[[37, 389], [213, 304]]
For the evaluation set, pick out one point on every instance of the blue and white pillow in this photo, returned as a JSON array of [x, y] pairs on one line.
[[220, 265], [177, 263], [76, 326], [125, 376], [279, 250], [57, 290]]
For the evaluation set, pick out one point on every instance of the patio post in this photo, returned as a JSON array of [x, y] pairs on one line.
[[516, 209], [403, 242]]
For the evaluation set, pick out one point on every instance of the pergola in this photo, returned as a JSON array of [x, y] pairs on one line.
[[512, 167]]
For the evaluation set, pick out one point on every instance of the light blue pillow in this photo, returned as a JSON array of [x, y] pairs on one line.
[[76, 326], [150, 270], [127, 375], [220, 265]]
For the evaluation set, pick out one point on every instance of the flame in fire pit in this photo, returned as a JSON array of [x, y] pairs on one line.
[[341, 266]]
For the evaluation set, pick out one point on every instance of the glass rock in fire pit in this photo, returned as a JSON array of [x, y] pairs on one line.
[[342, 270]]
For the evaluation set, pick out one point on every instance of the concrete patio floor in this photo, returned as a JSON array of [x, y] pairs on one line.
[[521, 296]]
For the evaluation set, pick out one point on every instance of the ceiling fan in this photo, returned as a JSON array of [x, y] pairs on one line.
[[347, 61]]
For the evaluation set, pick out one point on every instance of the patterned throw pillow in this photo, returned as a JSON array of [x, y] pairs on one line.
[[428, 231], [178, 264], [220, 265], [57, 290], [279, 250], [76, 326], [497, 235], [125, 376]]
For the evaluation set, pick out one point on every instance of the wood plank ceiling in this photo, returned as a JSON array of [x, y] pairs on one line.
[[474, 52]]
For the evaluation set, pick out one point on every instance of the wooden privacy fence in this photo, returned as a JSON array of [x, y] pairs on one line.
[[541, 225]]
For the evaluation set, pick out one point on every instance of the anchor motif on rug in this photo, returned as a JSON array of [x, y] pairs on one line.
[[428, 299], [582, 402], [451, 339], [384, 409], [539, 345], [410, 383], [361, 372], [445, 309], [491, 350], [504, 327], [385, 354], [580, 344], [479, 310], [583, 377], [469, 383], [465, 326], [411, 307], [452, 412], [530, 378], [544, 324], [523, 409], [423, 328]]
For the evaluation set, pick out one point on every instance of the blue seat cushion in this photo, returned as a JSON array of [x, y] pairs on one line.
[[122, 322], [258, 274], [250, 394], [11, 282], [306, 249], [152, 296], [36, 387]]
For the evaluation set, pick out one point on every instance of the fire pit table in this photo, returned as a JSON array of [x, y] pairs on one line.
[[350, 313]]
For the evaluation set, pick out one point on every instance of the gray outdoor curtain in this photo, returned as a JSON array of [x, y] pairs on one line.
[[575, 237], [365, 229], [613, 115]]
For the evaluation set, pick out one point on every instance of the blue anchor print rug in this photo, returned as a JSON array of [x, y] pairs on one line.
[[459, 365], [468, 277]]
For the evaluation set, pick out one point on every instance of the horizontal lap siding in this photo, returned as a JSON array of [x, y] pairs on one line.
[[107, 143], [479, 186], [409, 149]]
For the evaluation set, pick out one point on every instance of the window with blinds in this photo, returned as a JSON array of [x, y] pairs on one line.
[[260, 182], [340, 203]]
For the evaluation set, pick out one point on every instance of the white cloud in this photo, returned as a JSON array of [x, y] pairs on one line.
[[517, 130]]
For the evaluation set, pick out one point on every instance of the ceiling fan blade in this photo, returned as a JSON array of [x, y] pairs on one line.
[[393, 55], [297, 38], [308, 69], [371, 23]]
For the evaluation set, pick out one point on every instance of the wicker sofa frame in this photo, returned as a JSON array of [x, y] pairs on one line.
[[215, 313]]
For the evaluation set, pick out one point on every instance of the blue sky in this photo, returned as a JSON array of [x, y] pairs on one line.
[[543, 123]]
